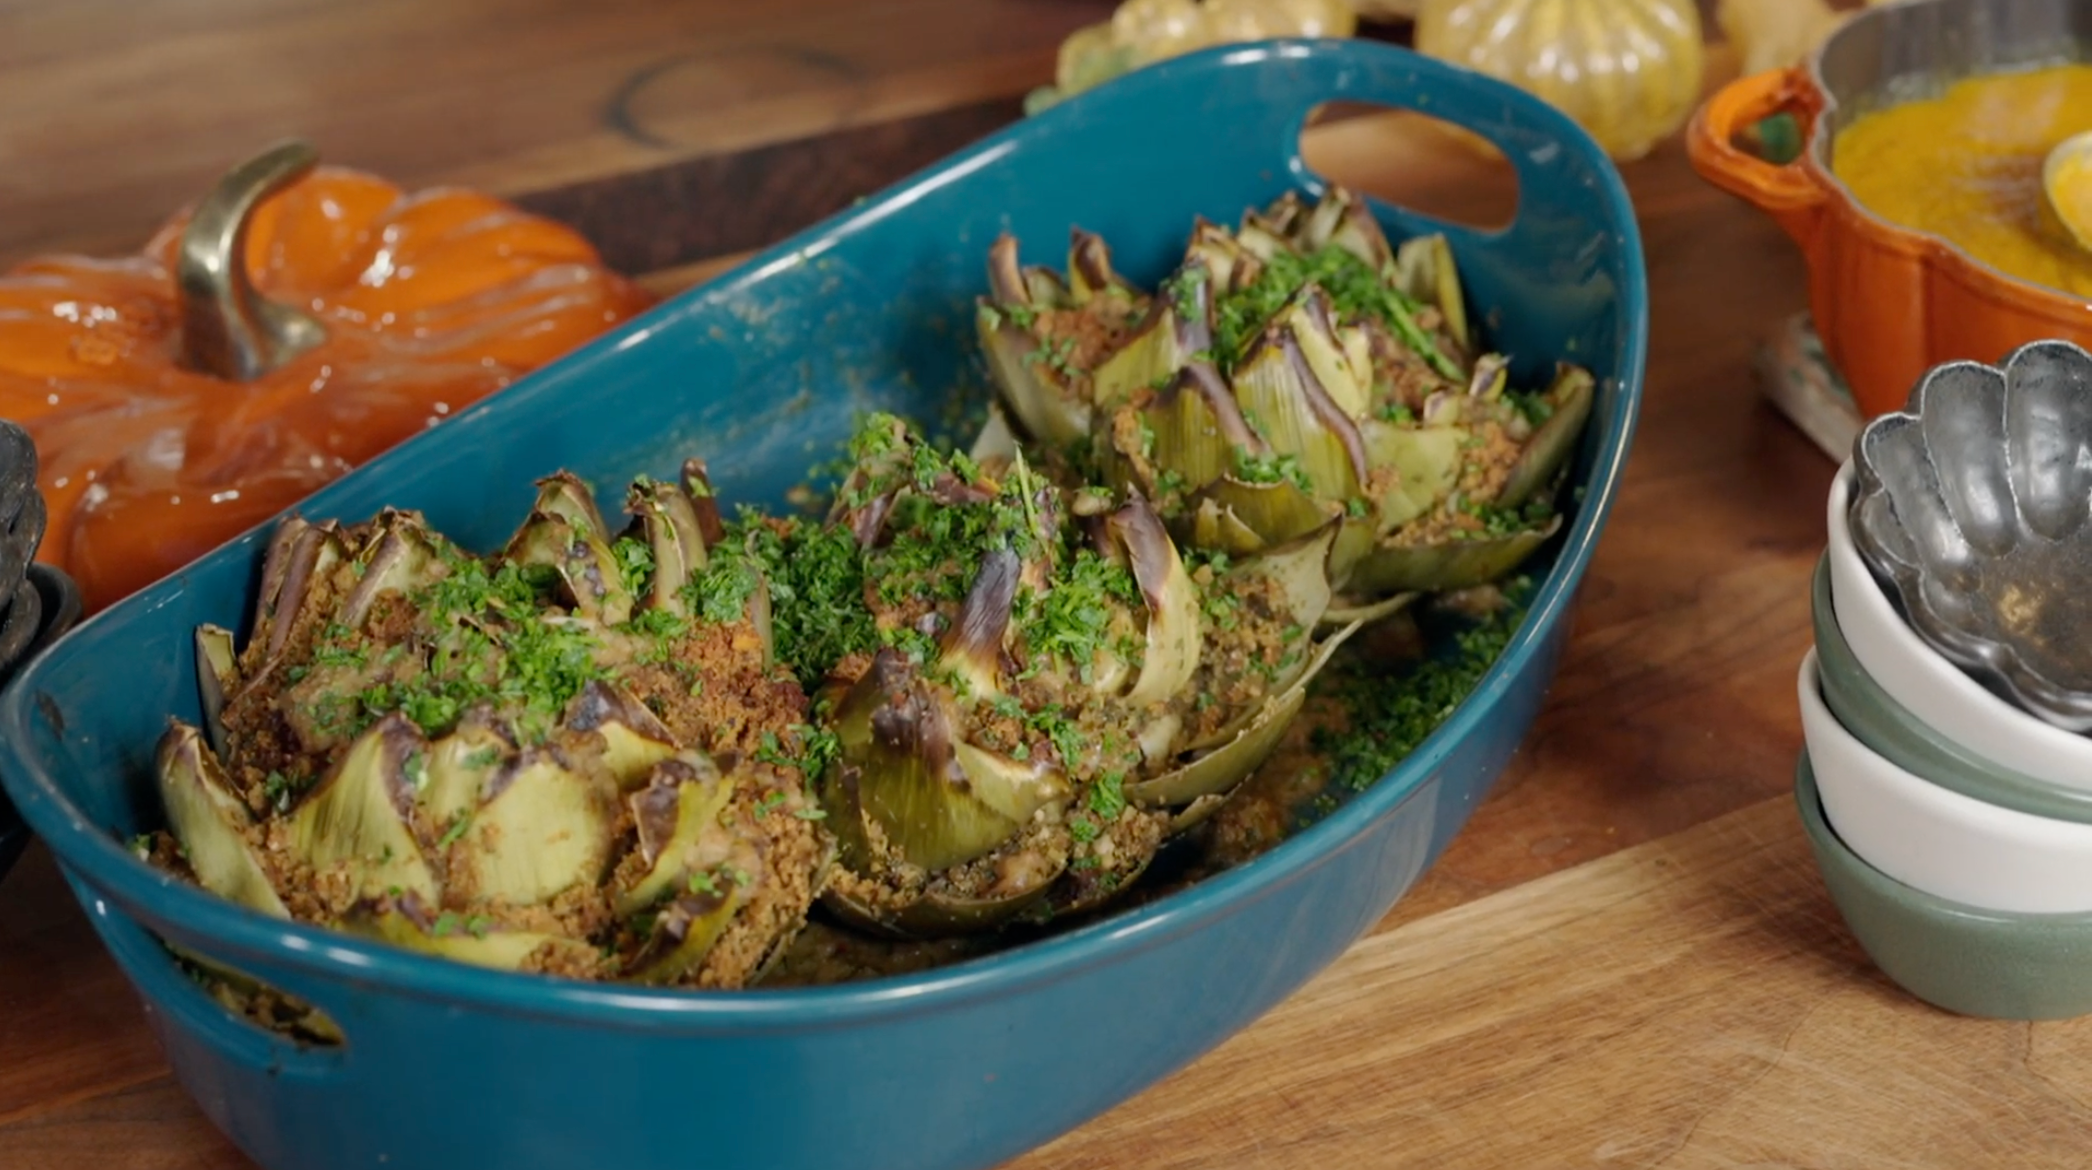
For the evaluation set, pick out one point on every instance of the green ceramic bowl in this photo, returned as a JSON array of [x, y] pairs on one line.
[[1971, 962], [1889, 728]]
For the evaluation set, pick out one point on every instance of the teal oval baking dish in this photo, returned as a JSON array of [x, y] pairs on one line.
[[760, 372]]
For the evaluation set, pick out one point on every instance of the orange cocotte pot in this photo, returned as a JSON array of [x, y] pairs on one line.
[[1890, 302], [294, 323]]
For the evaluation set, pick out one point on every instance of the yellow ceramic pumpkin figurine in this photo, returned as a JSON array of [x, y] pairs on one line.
[[1142, 32], [1773, 34], [1628, 71]]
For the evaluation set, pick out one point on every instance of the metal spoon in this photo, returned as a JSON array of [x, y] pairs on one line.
[[2066, 181]]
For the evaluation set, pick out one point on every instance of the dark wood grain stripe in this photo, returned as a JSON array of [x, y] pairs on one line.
[[700, 208]]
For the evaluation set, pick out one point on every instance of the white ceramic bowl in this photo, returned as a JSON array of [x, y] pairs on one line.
[[1931, 687], [1931, 839]]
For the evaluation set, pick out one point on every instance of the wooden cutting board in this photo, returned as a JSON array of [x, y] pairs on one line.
[[1692, 1003]]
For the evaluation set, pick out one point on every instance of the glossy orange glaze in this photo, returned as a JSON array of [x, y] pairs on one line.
[[431, 302]]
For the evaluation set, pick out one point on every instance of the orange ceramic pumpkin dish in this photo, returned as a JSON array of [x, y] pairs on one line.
[[177, 400]]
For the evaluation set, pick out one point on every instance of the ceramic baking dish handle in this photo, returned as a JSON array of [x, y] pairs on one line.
[[1791, 194], [1529, 135], [198, 1016]]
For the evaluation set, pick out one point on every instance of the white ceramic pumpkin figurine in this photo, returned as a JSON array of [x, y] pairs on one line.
[[1628, 71]]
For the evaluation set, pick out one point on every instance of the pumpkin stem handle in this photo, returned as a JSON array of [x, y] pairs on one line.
[[228, 329]]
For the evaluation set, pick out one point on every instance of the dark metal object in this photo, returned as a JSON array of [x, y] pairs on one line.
[[1972, 506], [39, 603]]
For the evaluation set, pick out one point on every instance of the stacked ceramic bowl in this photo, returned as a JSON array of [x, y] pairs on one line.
[[37, 602], [1947, 782]]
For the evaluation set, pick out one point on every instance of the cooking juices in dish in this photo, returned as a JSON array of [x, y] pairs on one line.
[[1966, 166], [979, 695], [423, 304]]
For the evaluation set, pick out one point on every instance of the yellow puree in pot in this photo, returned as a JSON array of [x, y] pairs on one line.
[[1966, 166]]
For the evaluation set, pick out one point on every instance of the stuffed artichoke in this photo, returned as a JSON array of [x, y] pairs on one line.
[[548, 760], [1293, 373], [1053, 688]]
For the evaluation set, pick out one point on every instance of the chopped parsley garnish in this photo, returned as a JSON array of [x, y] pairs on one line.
[[1271, 469], [1387, 718], [456, 831], [1072, 620], [1108, 796], [1354, 290], [720, 592], [817, 611], [337, 649], [635, 562]]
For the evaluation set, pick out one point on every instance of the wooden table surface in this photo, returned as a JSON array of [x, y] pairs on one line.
[[1625, 959]]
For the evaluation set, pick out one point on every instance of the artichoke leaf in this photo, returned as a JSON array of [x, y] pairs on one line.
[[704, 502], [1491, 374], [1215, 527], [1275, 513], [1554, 442], [1424, 271], [1179, 325], [217, 676], [1021, 888], [668, 516], [564, 495], [276, 563], [1426, 461], [210, 821], [1344, 611], [1198, 812], [1173, 627], [1090, 273], [1050, 410], [1300, 568], [1212, 246], [678, 818], [725, 874], [406, 923], [1041, 396], [1287, 404], [565, 532], [1343, 220], [972, 649], [1187, 435], [685, 931], [309, 561], [359, 816], [1331, 355], [1256, 736], [634, 738], [458, 768], [996, 442], [935, 802], [399, 558], [1451, 564], [544, 828]]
